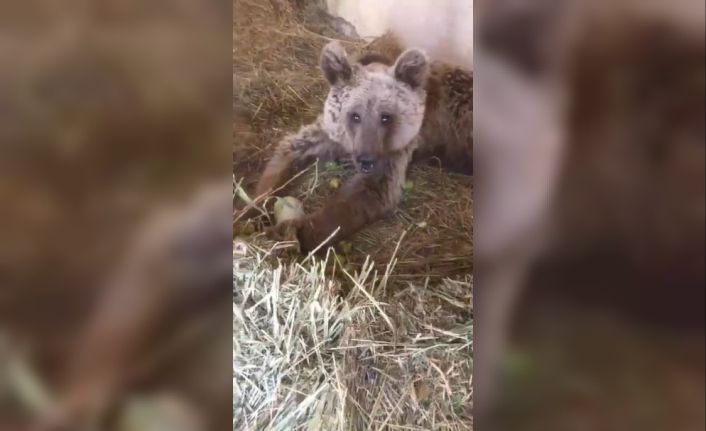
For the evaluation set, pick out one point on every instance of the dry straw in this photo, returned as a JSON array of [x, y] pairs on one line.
[[307, 356]]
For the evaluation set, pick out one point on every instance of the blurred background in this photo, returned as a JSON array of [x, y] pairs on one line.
[[589, 214], [115, 121], [114, 124]]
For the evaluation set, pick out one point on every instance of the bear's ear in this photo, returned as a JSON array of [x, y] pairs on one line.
[[412, 68], [334, 63]]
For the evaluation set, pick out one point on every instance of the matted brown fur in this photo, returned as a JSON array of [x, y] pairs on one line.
[[278, 87]]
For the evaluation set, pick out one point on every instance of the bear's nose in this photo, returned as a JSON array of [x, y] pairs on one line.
[[366, 164]]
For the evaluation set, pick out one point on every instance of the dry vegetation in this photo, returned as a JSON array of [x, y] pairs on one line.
[[309, 357], [378, 334]]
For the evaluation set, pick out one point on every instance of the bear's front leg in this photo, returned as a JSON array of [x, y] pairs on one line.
[[361, 201]]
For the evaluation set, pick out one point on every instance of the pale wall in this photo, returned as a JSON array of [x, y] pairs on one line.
[[443, 28]]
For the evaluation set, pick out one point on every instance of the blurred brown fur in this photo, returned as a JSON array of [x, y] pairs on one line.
[[618, 209], [155, 315], [634, 179], [108, 111]]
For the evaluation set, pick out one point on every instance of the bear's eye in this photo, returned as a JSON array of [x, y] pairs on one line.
[[386, 119], [355, 117]]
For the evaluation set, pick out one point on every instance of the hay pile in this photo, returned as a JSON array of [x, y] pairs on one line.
[[307, 357], [378, 334]]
